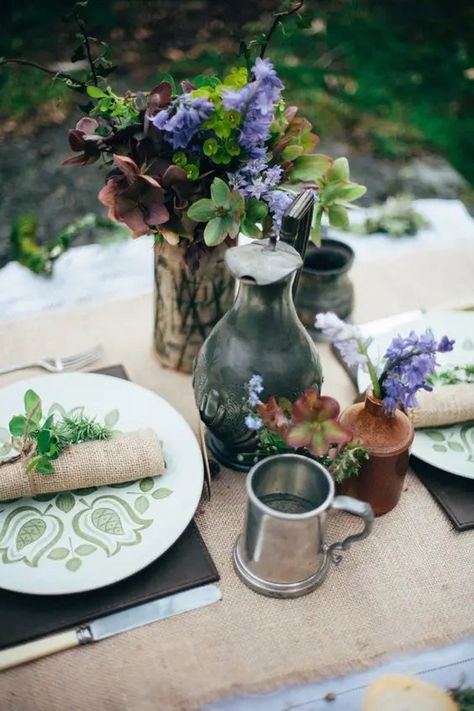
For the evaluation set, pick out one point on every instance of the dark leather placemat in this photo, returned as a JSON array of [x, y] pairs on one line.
[[185, 565], [455, 494]]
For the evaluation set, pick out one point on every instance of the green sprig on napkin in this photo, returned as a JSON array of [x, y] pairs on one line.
[[44, 439]]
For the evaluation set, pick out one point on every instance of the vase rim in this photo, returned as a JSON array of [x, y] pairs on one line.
[[335, 246]]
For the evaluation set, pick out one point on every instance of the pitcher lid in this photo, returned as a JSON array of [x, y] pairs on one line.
[[263, 261]]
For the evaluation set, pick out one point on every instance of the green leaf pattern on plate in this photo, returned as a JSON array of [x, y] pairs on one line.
[[461, 442], [110, 523], [102, 522], [27, 534]]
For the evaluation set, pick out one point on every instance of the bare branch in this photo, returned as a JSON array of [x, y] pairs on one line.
[[277, 18], [51, 72]]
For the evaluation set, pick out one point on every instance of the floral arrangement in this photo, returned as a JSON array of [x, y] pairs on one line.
[[310, 425], [406, 367], [198, 163]]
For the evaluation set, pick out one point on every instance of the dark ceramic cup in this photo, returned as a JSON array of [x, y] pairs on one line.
[[324, 283]]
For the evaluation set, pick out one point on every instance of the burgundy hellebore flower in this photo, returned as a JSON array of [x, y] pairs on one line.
[[83, 139], [314, 424], [134, 198]]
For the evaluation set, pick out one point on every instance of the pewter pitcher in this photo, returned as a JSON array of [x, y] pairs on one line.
[[261, 334], [282, 551]]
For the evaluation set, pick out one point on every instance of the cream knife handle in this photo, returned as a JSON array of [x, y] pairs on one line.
[[23, 653]]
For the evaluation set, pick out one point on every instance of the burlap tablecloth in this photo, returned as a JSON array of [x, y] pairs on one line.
[[409, 586]]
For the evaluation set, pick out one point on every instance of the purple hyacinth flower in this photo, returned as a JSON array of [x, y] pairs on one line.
[[183, 119], [445, 345]]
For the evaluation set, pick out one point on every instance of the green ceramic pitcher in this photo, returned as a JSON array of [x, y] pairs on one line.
[[261, 334]]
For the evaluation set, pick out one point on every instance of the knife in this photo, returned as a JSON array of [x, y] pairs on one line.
[[111, 625]]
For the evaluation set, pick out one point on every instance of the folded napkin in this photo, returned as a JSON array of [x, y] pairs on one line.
[[444, 405], [124, 457]]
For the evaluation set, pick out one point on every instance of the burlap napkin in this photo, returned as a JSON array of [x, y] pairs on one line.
[[124, 457], [444, 405]]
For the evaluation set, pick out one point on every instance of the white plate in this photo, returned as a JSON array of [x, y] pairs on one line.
[[73, 542], [450, 448]]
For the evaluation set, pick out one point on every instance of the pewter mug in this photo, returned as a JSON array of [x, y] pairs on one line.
[[282, 551]]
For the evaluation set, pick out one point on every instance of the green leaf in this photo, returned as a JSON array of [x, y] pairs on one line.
[[56, 407], [65, 502], [43, 441], [95, 93], [439, 448], [17, 425], [30, 532], [292, 152], [202, 80], [435, 435], [78, 54], [351, 192], [250, 229], [456, 446], [338, 216], [202, 210], [112, 418], [107, 520], [217, 230], [146, 484], [236, 202], [85, 549], [256, 210], [74, 564], [32, 464], [316, 225], [219, 192], [161, 493], [58, 553], [331, 192], [339, 170], [310, 167], [141, 504], [33, 406], [44, 466], [47, 424], [77, 411], [44, 497]]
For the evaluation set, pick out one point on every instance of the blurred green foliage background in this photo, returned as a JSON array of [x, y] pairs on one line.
[[391, 77]]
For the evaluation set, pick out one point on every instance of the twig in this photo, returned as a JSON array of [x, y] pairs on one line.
[[277, 17], [82, 30], [61, 75]]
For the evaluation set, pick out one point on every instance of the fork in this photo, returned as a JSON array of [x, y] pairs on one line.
[[58, 365]]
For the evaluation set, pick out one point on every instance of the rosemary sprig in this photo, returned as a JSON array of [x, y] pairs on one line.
[[43, 440]]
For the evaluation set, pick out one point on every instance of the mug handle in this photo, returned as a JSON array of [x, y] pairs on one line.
[[356, 508]]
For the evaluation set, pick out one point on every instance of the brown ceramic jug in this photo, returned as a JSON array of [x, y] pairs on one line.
[[387, 438]]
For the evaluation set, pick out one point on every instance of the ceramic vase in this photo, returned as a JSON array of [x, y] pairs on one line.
[[387, 437], [188, 305], [261, 334], [324, 283]]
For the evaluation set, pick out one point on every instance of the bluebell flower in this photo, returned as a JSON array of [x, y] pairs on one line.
[[256, 102], [409, 363], [183, 119], [253, 422], [278, 202], [254, 388], [445, 345]]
